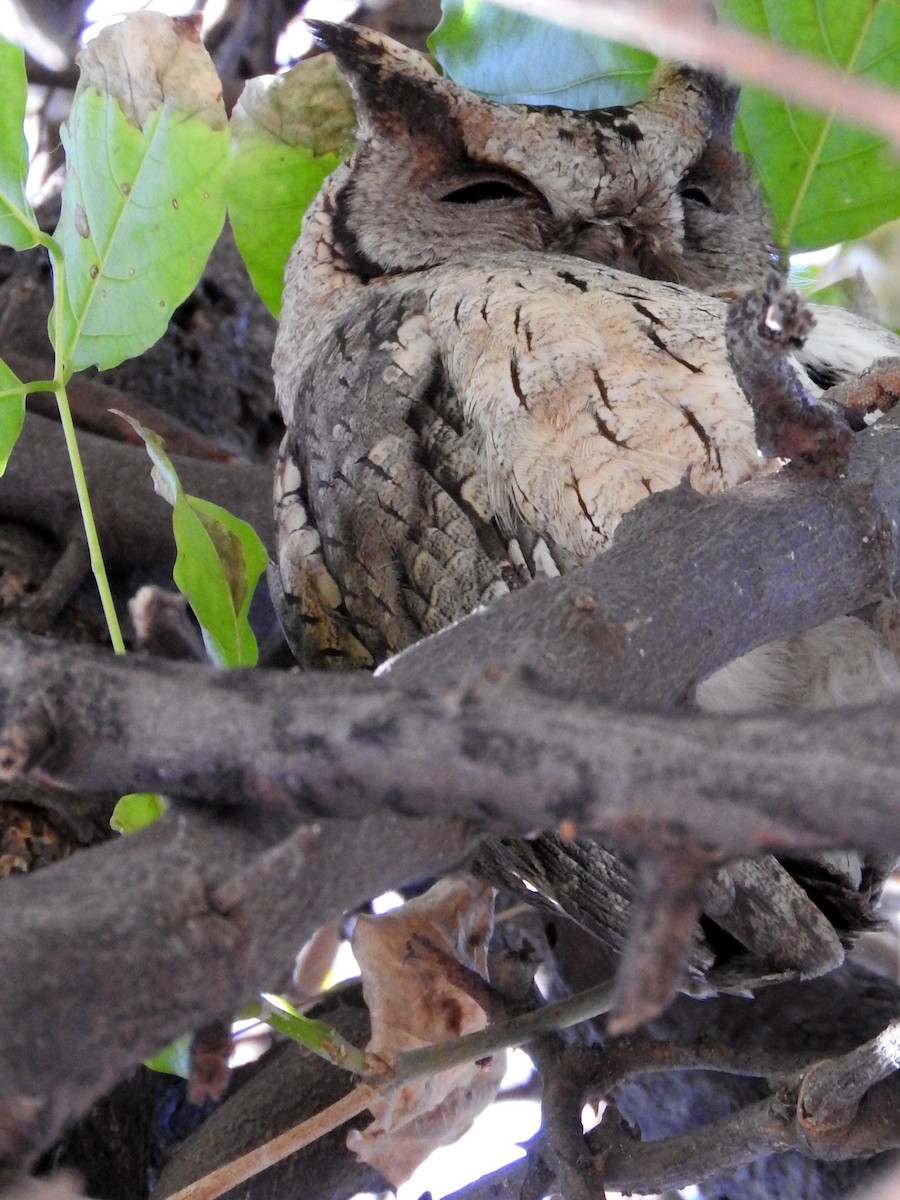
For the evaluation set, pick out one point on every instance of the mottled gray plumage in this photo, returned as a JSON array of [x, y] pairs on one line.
[[502, 328]]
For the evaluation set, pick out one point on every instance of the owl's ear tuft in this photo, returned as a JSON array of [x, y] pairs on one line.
[[366, 57], [724, 98], [396, 89], [721, 96]]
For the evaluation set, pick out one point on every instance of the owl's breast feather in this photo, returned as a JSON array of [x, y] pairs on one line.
[[588, 389]]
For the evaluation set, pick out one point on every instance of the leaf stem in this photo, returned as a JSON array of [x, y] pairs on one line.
[[98, 566], [37, 385], [61, 375]]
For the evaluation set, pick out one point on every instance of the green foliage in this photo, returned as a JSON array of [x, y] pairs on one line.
[[136, 810], [513, 57], [18, 227], [144, 196], [290, 131], [173, 1059], [138, 223], [148, 149], [12, 412], [316, 1036], [825, 181], [220, 559]]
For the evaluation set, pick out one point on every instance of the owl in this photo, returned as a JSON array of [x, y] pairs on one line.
[[503, 327]]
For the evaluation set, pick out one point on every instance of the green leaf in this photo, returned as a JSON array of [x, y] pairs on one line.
[[219, 561], [137, 809], [18, 227], [147, 148], [12, 412], [512, 57], [290, 131], [316, 1036], [825, 181], [173, 1059]]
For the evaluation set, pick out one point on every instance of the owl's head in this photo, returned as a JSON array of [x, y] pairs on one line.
[[441, 173]]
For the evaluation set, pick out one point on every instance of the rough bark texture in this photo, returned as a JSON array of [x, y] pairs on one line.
[[213, 902], [297, 797]]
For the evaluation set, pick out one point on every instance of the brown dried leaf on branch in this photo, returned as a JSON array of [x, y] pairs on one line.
[[420, 965]]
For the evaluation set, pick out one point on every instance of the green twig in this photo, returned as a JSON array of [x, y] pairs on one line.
[[61, 375]]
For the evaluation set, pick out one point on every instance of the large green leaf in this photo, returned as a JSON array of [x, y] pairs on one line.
[[147, 149], [12, 412], [516, 58], [290, 132], [825, 181], [219, 561], [18, 227]]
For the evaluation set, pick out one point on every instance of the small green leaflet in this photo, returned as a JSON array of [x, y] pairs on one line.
[[291, 131], [12, 412], [512, 57], [220, 559], [316, 1036], [137, 809], [18, 227], [173, 1059], [147, 151]]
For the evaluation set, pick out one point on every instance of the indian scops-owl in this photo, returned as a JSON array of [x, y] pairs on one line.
[[503, 326]]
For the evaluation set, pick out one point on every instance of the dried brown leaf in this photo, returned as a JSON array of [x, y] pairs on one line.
[[150, 60], [414, 962]]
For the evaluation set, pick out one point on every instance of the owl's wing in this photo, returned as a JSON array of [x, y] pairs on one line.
[[382, 539], [305, 594]]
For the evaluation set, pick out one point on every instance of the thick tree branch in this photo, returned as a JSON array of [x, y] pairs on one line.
[[690, 583], [131, 943], [510, 757]]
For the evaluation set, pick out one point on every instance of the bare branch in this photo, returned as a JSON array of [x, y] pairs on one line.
[[189, 918], [763, 326]]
